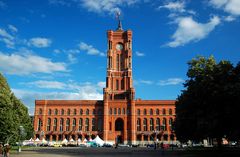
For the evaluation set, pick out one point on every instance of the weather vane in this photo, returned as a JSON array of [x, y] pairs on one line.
[[118, 13]]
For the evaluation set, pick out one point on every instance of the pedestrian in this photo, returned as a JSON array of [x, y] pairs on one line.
[[7, 150], [162, 148], [1, 150]]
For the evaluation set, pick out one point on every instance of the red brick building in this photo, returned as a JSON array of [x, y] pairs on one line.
[[119, 116]]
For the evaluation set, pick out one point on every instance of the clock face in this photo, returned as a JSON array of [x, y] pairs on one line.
[[119, 46]]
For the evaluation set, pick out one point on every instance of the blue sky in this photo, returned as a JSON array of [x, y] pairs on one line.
[[56, 49]]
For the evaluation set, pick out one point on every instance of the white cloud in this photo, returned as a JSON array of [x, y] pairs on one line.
[[90, 49], [29, 97], [71, 91], [230, 6], [229, 18], [56, 51], [40, 42], [7, 38], [109, 6], [25, 64], [101, 84], [47, 84], [5, 34], [9, 43], [191, 31], [146, 82], [72, 59], [174, 6], [139, 54], [12, 28], [171, 81]]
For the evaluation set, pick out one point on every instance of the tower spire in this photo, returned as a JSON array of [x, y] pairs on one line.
[[119, 21]]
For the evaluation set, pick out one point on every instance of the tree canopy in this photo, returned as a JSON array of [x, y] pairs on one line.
[[13, 115], [209, 105]]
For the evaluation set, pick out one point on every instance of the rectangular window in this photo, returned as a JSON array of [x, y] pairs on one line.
[[93, 124], [117, 85], [80, 124], [117, 63]]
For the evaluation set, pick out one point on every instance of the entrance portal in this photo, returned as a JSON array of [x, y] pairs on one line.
[[119, 125], [119, 139]]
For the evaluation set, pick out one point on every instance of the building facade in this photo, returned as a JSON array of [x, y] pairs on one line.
[[119, 117]]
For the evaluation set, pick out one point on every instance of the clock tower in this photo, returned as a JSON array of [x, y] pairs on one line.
[[119, 83]]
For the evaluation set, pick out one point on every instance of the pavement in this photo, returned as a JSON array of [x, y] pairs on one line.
[[121, 152]]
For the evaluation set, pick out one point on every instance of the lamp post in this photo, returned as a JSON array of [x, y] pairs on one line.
[[21, 131]]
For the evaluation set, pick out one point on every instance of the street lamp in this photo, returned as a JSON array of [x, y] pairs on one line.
[[21, 132]]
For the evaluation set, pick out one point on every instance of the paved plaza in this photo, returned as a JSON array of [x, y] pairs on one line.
[[122, 152]]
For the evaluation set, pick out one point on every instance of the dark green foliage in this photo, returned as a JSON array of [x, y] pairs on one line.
[[209, 106], [13, 114]]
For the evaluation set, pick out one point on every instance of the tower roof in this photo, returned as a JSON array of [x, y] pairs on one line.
[[119, 22]]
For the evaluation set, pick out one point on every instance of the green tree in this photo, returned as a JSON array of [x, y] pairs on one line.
[[13, 114], [208, 105]]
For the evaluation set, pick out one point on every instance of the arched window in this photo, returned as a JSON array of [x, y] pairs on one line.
[[144, 124], [68, 112], [158, 124], [39, 124], [55, 124], [93, 124], [74, 124], [40, 111], [93, 111], [130, 63], [49, 111], [119, 111], [128, 111], [110, 111], [68, 124], [117, 85], [164, 111], [138, 124], [75, 112], [151, 124], [62, 112], [61, 124], [86, 124], [138, 112], [55, 112], [87, 112], [80, 124], [170, 111], [81, 112], [100, 126], [151, 111], [123, 111], [164, 124], [145, 111], [122, 84], [99, 111], [48, 124], [129, 44], [170, 123], [115, 111], [165, 137], [157, 111]]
